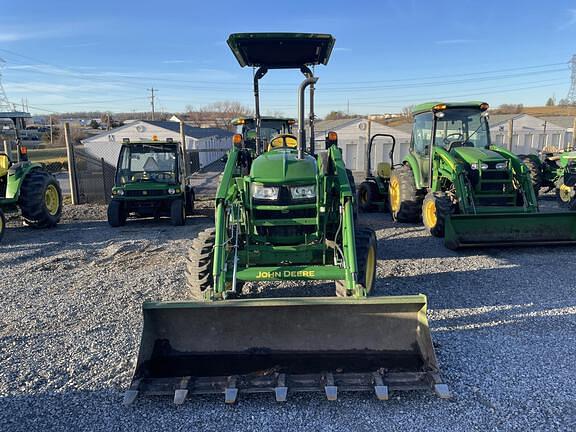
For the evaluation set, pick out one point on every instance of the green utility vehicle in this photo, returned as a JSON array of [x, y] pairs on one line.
[[28, 187], [465, 189], [288, 218], [269, 128], [151, 182], [555, 171]]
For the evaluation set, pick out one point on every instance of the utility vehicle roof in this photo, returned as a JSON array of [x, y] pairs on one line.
[[427, 106], [281, 50], [151, 142]]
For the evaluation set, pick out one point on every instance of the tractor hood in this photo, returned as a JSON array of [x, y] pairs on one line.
[[283, 166], [474, 154]]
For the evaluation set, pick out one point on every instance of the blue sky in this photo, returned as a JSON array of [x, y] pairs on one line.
[[389, 54]]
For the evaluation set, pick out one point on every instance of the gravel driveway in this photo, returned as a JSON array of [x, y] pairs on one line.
[[504, 322]]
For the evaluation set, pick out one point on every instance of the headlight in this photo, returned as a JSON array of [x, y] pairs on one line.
[[120, 192], [502, 165], [171, 191], [475, 166], [303, 192], [262, 192]]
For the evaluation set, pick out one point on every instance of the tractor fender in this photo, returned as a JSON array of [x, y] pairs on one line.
[[412, 162]]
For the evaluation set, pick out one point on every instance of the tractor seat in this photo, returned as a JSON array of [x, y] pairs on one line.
[[283, 141], [383, 169], [4, 164]]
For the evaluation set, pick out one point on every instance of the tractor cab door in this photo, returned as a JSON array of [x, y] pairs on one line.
[[421, 142]]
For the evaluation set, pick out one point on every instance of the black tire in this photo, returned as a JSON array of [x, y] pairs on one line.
[[2, 224], [535, 172], [199, 264], [177, 212], [443, 207], [40, 199], [365, 243], [190, 198], [368, 195], [409, 207], [116, 214]]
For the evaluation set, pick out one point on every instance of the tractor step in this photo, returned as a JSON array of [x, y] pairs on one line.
[[284, 346]]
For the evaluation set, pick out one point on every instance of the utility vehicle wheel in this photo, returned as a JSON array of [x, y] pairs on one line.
[[116, 214], [368, 195], [435, 208], [534, 172], [2, 224], [366, 257], [177, 213], [405, 204], [40, 199], [199, 265]]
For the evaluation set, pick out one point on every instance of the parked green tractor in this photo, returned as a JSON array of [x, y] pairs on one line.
[[151, 182], [555, 171], [288, 218], [465, 189], [26, 186], [269, 128]]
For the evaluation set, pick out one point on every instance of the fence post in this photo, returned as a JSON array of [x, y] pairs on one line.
[[510, 133], [73, 179]]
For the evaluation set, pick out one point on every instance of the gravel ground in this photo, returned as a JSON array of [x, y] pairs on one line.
[[503, 320]]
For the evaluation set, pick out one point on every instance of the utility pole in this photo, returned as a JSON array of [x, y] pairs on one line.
[[510, 133], [152, 90], [51, 133], [107, 121]]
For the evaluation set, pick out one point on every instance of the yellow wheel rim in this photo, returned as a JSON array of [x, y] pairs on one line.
[[394, 191], [430, 217], [370, 269], [565, 193], [52, 200]]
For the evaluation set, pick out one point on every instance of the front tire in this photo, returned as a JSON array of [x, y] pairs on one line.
[[436, 207], [41, 199], [366, 257], [2, 224], [116, 214], [199, 266], [405, 203], [177, 212], [368, 195], [534, 171]]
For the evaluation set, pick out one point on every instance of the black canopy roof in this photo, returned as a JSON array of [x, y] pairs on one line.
[[281, 50]]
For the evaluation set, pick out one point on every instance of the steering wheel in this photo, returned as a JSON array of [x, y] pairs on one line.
[[458, 135]]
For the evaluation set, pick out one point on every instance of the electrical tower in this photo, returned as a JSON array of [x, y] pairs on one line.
[[572, 92], [5, 104]]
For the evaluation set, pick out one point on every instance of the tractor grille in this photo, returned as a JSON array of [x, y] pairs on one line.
[[495, 175], [140, 193], [291, 214]]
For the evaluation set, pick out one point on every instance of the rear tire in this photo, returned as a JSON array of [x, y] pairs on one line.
[[534, 171], [435, 208], [40, 199], [177, 212], [405, 203], [199, 266], [368, 195], [2, 224], [190, 198], [366, 257], [116, 214]]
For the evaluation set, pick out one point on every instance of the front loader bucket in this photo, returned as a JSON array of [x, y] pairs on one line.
[[284, 346], [522, 229]]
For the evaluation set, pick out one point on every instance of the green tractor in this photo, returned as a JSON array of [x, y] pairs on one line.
[[555, 171], [29, 187], [151, 181], [467, 190], [269, 127], [288, 217]]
